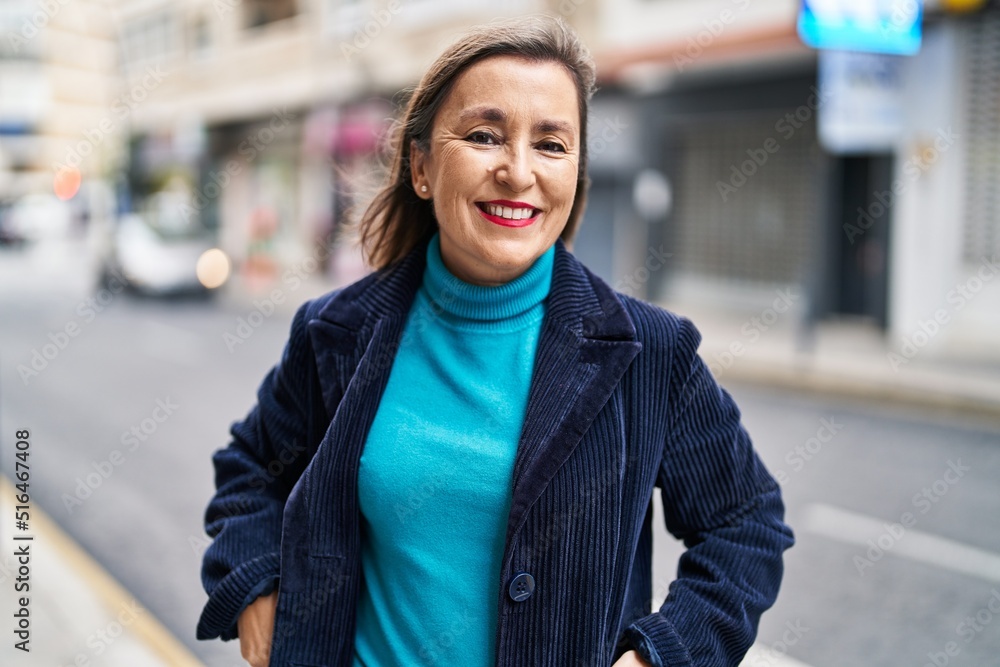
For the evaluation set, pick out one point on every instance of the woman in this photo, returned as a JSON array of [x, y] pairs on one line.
[[453, 462]]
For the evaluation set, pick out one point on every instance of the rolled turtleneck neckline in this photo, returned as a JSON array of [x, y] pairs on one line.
[[510, 305]]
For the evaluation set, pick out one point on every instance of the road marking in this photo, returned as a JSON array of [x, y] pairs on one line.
[[853, 528], [762, 656], [159, 640]]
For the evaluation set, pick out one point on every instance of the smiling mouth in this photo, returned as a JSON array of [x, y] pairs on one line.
[[510, 216], [507, 212]]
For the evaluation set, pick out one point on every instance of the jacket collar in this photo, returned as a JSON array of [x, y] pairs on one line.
[[578, 301]]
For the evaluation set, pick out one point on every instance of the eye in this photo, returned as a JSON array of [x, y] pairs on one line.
[[482, 137], [552, 147]]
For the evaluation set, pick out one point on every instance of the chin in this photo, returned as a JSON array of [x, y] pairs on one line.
[[509, 255]]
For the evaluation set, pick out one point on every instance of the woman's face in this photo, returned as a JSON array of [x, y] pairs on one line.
[[502, 166]]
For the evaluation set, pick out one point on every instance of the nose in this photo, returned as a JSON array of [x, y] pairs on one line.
[[516, 168]]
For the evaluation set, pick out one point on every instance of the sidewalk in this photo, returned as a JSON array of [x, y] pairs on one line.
[[849, 360], [79, 615]]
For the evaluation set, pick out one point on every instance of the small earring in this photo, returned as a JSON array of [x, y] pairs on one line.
[[423, 188]]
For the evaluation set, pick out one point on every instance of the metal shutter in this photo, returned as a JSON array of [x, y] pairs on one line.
[[982, 166], [763, 232]]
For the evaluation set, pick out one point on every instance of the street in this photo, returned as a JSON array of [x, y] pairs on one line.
[[896, 513]]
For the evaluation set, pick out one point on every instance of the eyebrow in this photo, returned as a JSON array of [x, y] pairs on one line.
[[496, 115], [492, 114], [553, 126]]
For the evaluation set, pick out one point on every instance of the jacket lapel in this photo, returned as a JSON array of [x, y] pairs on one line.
[[357, 332], [586, 344], [354, 336]]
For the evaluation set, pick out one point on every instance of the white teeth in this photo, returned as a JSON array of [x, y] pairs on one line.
[[509, 213]]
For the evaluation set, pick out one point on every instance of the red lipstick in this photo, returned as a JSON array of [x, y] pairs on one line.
[[508, 222]]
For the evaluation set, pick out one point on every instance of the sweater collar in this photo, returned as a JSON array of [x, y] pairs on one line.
[[464, 301]]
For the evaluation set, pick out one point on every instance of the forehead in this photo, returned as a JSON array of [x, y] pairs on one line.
[[516, 85]]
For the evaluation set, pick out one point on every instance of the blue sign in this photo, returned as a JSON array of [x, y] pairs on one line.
[[876, 26]]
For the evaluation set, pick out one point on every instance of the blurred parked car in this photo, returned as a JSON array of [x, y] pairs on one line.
[[157, 249], [34, 218], [7, 235]]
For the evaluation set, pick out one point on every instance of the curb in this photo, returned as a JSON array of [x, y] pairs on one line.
[[111, 594], [918, 394]]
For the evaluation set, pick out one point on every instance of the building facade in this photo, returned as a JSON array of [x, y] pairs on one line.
[[711, 183], [61, 110]]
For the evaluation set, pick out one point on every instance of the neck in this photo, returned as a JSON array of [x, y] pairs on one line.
[[502, 302]]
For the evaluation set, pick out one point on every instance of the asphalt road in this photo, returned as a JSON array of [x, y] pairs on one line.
[[156, 380]]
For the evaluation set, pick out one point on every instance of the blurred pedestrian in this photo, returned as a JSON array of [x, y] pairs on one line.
[[454, 460]]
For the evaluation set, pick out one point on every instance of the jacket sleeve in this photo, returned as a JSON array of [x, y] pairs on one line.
[[253, 477], [722, 502]]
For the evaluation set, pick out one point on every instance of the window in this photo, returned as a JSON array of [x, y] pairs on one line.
[[149, 40], [200, 38], [20, 30], [261, 12]]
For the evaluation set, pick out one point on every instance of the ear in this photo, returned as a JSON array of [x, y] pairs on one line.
[[418, 170]]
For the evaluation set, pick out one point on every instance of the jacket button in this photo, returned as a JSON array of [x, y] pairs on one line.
[[521, 587]]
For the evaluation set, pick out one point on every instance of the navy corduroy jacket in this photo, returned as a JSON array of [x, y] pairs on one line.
[[619, 403]]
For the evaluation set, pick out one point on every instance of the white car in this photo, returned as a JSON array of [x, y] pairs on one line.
[[157, 250], [38, 217]]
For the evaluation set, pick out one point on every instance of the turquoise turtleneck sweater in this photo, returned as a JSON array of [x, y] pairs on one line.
[[435, 478]]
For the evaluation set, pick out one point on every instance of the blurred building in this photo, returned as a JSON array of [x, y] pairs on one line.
[[705, 146], [723, 102], [275, 111], [58, 107]]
